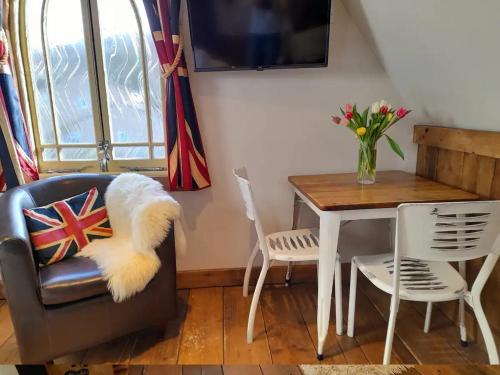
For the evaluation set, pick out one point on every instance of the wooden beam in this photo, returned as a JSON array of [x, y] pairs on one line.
[[484, 143]]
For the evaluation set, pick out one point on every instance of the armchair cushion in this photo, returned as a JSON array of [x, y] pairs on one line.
[[72, 280], [61, 229]]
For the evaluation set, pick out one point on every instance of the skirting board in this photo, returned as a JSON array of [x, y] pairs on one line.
[[234, 276]]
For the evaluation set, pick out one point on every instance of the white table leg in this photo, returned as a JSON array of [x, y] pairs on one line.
[[328, 240]]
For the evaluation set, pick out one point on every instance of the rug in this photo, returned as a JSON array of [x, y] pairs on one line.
[[141, 213], [354, 369]]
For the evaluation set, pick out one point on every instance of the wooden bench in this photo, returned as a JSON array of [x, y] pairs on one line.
[[470, 160]]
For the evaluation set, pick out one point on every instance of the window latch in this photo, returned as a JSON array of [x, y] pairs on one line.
[[104, 156]]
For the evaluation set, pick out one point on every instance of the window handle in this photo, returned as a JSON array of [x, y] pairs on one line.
[[144, 169], [104, 156], [67, 170]]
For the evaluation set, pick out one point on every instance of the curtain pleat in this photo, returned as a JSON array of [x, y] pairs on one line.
[[17, 161], [186, 162]]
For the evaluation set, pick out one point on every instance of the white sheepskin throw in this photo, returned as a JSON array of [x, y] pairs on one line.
[[140, 213]]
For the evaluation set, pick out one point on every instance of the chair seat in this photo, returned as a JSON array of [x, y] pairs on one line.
[[71, 280], [295, 245], [420, 280]]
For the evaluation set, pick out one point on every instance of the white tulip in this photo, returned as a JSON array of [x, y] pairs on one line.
[[376, 107]]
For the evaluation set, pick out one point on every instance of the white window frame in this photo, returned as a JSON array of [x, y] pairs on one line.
[[99, 97]]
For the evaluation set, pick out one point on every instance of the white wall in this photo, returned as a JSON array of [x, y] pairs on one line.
[[443, 56], [277, 123]]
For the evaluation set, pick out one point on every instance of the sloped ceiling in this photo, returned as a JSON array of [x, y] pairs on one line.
[[442, 55]]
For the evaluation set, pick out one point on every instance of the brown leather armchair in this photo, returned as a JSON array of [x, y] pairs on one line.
[[65, 307]]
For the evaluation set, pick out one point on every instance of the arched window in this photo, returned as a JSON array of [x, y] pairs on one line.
[[94, 85]]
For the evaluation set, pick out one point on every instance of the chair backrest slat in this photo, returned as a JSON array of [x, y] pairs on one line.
[[448, 231], [246, 191], [251, 211]]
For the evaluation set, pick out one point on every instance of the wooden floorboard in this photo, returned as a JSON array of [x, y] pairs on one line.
[[9, 352], [241, 370], [202, 336], [370, 331], [427, 348], [457, 370], [71, 359], [154, 346], [6, 328], [448, 330], [236, 348], [116, 351], [279, 370], [306, 298], [211, 329], [162, 370], [287, 332]]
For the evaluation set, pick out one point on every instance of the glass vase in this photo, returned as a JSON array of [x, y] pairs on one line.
[[367, 163]]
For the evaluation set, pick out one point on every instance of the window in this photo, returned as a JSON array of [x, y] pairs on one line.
[[94, 85]]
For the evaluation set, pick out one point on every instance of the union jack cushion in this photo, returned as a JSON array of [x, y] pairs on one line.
[[61, 229]]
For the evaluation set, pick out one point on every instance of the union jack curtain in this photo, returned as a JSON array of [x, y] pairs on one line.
[[17, 162], [186, 163]]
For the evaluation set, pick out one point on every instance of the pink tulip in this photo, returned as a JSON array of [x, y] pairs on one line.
[[336, 119], [401, 112], [344, 122], [348, 108], [348, 115]]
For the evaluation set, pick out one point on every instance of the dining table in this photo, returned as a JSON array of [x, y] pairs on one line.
[[339, 197]]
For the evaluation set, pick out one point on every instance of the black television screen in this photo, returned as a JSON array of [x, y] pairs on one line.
[[259, 34]]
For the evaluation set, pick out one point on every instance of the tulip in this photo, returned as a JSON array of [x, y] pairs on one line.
[[390, 115], [344, 122], [401, 112], [361, 131], [384, 109], [348, 115], [336, 119], [348, 108], [384, 103], [375, 107]]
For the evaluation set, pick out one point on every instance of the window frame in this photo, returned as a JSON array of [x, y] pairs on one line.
[[99, 98]]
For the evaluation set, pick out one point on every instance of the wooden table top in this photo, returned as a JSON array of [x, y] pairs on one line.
[[336, 192]]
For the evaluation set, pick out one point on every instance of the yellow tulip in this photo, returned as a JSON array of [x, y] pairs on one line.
[[361, 131], [390, 115]]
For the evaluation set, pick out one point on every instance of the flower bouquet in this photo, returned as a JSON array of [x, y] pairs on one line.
[[369, 126]]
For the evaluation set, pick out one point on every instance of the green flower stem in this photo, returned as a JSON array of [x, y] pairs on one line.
[[367, 162]]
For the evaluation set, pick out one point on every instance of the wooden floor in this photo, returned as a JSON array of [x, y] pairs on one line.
[[283, 370], [212, 330]]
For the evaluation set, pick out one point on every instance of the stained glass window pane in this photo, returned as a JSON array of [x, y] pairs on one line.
[[123, 63], [49, 154], [69, 72], [74, 154], [155, 79], [39, 72], [130, 153], [159, 152]]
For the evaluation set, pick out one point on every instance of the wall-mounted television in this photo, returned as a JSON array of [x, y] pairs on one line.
[[259, 34]]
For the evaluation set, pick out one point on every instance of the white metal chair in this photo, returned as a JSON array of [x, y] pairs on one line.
[[289, 246], [428, 236]]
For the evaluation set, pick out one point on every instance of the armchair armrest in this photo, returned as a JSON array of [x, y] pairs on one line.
[[17, 266], [166, 250]]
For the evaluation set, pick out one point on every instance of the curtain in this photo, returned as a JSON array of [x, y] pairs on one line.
[[17, 162], [186, 163]]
